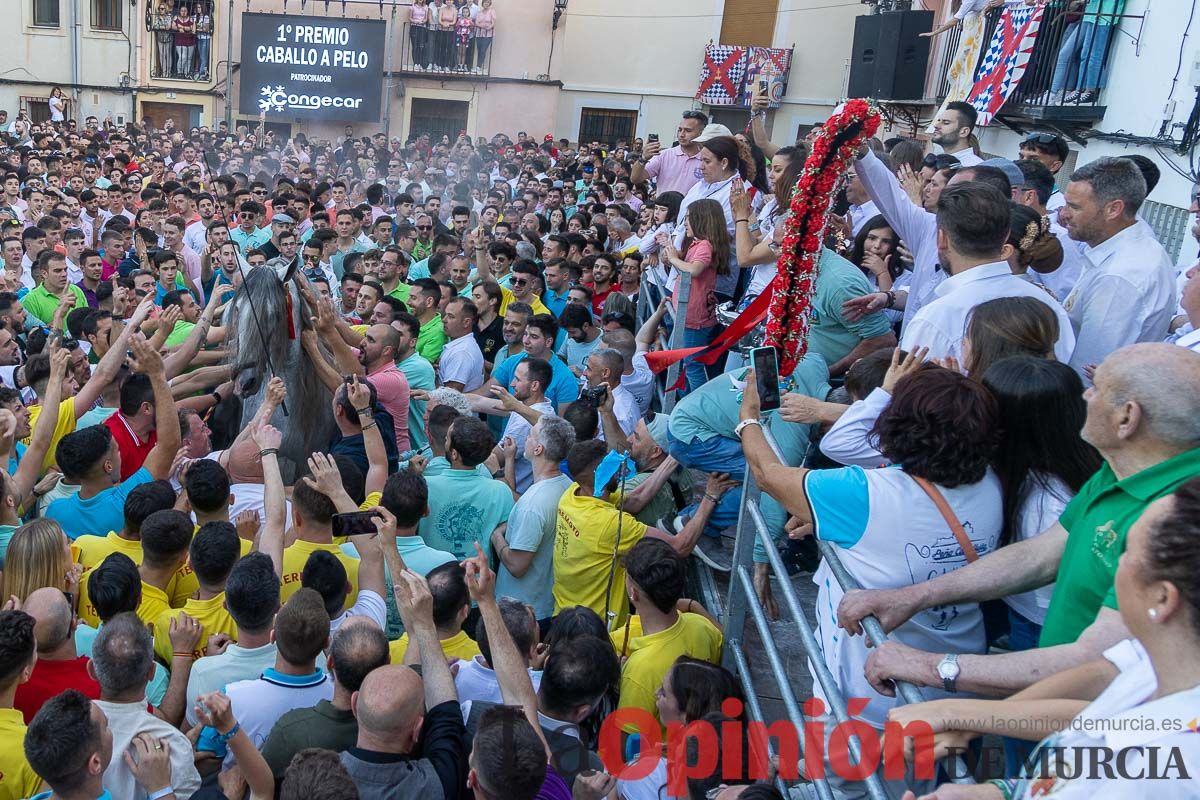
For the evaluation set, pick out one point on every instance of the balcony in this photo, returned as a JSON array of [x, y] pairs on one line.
[[445, 54], [1065, 61], [170, 60]]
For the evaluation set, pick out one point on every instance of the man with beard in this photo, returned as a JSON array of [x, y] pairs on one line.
[[952, 131]]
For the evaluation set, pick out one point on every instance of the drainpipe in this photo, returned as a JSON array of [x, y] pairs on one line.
[[228, 67], [388, 78], [75, 50]]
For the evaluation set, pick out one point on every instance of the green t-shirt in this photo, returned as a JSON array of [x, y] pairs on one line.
[[432, 339], [180, 333], [401, 292], [829, 333], [1097, 521], [41, 304]]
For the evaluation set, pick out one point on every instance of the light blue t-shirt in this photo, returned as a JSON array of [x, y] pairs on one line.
[[335, 262], [417, 556], [6, 534], [564, 386], [98, 514], [419, 372], [576, 353], [464, 508], [531, 529], [250, 241], [438, 465], [15, 461]]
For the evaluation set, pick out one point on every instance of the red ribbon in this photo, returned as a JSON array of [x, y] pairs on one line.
[[753, 314]]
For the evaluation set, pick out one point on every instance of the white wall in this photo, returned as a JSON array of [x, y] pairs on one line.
[[1139, 86], [636, 55]]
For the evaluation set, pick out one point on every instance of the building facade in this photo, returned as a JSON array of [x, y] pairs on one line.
[[593, 70]]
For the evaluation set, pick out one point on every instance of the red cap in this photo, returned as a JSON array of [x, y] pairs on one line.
[[549, 137]]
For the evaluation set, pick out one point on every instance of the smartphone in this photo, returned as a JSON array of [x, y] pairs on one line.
[[356, 523], [652, 137], [766, 374], [763, 85]]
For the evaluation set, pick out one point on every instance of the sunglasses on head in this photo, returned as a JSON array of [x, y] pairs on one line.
[[1040, 138]]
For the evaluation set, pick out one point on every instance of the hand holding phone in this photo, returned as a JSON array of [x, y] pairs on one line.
[[355, 523], [766, 375]]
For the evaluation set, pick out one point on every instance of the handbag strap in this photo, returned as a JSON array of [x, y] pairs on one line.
[[956, 527]]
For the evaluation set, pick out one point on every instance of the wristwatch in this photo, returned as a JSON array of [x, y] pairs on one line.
[[949, 670], [741, 426]]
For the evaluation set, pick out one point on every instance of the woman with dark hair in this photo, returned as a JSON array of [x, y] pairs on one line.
[[875, 253], [1042, 462], [723, 161], [1008, 326], [691, 690], [940, 509], [760, 249]]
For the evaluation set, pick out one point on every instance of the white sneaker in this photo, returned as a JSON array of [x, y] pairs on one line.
[[699, 552]]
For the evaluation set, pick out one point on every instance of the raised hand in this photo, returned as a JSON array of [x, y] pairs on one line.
[[903, 367]]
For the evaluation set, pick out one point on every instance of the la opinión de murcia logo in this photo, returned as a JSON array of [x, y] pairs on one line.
[[277, 99]]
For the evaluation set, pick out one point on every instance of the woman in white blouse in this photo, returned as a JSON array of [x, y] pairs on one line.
[[58, 105], [1133, 710]]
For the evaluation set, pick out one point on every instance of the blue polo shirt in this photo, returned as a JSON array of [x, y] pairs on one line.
[[564, 386], [555, 302], [99, 513]]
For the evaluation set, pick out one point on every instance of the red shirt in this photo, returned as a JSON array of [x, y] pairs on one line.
[[598, 299], [50, 678], [133, 450]]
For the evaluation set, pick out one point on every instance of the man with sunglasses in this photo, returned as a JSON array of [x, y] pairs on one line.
[[678, 168]]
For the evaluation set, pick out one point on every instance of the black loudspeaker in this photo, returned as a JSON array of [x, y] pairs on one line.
[[890, 55]]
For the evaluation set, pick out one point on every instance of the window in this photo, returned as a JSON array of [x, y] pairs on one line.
[[45, 13], [438, 117], [106, 15], [37, 108], [606, 125], [749, 23]]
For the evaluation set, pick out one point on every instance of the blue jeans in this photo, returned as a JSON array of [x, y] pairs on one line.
[[1023, 634], [1093, 45], [1066, 68], [697, 373], [718, 454], [202, 44]]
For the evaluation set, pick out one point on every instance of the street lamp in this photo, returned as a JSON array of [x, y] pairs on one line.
[[560, 6]]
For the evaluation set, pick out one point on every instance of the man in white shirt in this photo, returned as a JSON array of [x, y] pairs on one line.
[[1126, 291], [461, 363], [604, 368], [123, 663], [952, 132], [973, 227], [195, 237], [530, 381], [476, 680], [862, 207], [637, 377]]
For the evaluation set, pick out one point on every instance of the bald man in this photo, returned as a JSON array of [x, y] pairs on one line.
[[58, 667], [1149, 439], [396, 708]]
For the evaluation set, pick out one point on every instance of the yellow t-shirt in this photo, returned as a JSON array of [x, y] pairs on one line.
[[154, 602], [184, 584], [63, 425], [94, 549], [211, 615], [373, 499], [584, 537], [457, 646], [651, 656], [295, 556], [17, 778], [507, 297]]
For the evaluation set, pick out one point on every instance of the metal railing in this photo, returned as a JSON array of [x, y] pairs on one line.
[[1046, 87], [174, 63], [743, 600], [440, 52]]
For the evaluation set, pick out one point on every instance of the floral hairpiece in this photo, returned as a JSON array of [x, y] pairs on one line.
[[1033, 231]]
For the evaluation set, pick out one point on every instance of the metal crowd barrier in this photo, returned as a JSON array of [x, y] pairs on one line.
[[743, 600]]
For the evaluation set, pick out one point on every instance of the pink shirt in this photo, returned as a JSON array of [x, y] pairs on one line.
[[675, 170], [391, 387], [191, 268], [702, 303], [418, 15], [485, 22]]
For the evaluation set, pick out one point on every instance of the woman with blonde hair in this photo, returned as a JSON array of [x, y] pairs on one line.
[[39, 556]]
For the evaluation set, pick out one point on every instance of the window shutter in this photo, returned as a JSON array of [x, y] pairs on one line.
[[749, 23]]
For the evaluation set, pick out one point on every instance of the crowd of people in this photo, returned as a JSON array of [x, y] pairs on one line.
[[488, 560]]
